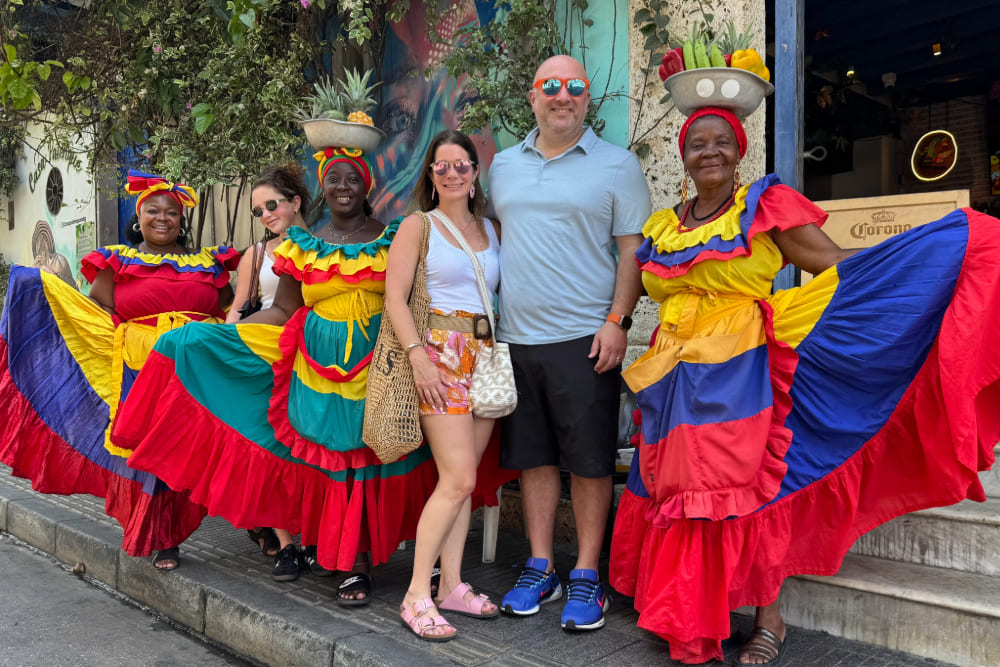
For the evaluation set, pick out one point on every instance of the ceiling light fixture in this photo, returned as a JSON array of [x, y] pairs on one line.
[[936, 48]]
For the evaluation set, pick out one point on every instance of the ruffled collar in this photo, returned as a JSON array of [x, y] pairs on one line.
[[205, 259], [309, 242]]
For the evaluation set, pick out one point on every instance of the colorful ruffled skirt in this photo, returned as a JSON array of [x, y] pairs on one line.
[[64, 370], [874, 391], [262, 425]]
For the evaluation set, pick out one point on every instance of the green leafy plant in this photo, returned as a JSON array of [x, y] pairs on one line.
[[11, 137], [501, 58]]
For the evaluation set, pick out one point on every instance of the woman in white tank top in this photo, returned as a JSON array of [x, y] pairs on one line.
[[278, 203], [442, 368]]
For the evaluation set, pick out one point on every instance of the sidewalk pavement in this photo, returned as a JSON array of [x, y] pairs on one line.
[[223, 592]]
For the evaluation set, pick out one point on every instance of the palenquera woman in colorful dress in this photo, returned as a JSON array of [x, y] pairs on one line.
[[273, 414], [777, 428], [69, 361]]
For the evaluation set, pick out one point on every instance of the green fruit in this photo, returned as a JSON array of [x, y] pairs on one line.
[[701, 55], [687, 49], [715, 57]]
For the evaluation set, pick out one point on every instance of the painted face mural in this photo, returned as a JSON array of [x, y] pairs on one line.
[[415, 108]]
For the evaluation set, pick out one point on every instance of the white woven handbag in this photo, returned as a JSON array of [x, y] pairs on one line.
[[492, 393]]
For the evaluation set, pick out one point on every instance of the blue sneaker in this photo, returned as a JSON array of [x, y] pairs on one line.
[[534, 588], [586, 601]]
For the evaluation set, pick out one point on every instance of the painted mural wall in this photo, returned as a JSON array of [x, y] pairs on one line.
[[416, 106], [51, 219]]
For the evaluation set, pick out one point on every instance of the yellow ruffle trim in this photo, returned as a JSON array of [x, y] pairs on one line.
[[664, 229]]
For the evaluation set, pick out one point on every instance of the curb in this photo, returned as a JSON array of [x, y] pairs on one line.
[[220, 609]]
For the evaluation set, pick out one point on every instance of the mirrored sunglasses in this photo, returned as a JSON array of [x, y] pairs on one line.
[[550, 87], [461, 167], [270, 205]]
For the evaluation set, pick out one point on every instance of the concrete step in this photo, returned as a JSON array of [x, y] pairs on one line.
[[963, 537], [991, 480], [932, 612]]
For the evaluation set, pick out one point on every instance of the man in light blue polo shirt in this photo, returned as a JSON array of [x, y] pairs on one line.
[[570, 205]]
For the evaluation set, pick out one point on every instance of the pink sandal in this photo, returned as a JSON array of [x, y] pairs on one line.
[[456, 602], [422, 617]]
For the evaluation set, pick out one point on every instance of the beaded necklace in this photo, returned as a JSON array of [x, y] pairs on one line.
[[689, 209]]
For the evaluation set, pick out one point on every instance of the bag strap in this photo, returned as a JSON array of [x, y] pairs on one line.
[[255, 277], [477, 267], [425, 238]]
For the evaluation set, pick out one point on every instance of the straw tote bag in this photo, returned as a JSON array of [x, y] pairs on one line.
[[392, 410], [492, 393]]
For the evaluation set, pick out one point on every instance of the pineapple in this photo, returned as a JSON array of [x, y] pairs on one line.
[[351, 102], [355, 98]]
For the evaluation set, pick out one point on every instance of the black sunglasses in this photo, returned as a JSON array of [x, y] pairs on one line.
[[270, 205]]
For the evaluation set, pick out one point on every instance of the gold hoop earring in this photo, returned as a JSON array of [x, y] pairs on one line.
[[736, 179], [684, 188]]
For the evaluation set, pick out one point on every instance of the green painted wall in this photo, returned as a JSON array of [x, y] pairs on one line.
[[603, 48]]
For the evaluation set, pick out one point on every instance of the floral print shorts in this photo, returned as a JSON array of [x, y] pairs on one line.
[[455, 353]]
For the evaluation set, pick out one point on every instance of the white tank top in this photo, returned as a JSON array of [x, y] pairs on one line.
[[451, 281], [268, 282]]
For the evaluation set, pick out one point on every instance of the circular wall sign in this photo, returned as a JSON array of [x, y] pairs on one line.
[[934, 155], [54, 191]]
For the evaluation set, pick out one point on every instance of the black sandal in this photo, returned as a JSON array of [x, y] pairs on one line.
[[435, 581], [312, 560], [266, 540], [356, 581], [163, 555]]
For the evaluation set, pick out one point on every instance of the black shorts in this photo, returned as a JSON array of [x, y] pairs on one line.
[[566, 413]]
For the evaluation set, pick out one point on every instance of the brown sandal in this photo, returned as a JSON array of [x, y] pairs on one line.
[[762, 644]]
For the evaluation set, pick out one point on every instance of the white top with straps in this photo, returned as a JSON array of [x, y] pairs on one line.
[[451, 280], [268, 281]]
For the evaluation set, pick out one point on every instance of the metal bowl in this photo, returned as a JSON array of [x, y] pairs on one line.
[[325, 133], [730, 88]]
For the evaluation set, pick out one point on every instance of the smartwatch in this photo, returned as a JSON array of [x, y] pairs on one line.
[[624, 321]]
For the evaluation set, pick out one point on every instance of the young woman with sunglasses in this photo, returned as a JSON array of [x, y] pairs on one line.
[[274, 405], [278, 198], [443, 363]]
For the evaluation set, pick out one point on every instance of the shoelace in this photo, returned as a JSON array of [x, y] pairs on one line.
[[530, 578], [582, 590]]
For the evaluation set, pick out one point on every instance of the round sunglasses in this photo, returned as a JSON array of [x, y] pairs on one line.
[[551, 86], [270, 205], [461, 166]]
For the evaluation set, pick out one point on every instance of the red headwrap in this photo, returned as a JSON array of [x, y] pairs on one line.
[[728, 116], [146, 185], [330, 156]]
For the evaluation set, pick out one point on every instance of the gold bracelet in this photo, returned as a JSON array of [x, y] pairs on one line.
[[409, 347]]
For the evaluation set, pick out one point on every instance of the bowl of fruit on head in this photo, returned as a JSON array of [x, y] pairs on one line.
[[337, 115], [724, 73]]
